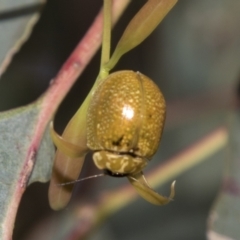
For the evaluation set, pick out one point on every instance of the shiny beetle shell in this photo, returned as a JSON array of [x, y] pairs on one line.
[[124, 122]]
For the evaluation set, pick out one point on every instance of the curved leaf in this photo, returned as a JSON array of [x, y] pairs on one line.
[[16, 21], [69, 149], [140, 27], [140, 184]]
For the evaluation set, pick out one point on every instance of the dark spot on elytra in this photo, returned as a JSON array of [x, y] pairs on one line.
[[118, 142], [135, 149]]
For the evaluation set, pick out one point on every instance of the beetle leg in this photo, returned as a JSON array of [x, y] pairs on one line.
[[140, 184]]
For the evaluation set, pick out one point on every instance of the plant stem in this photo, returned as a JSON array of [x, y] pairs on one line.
[[106, 42]]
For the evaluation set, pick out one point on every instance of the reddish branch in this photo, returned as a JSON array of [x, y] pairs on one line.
[[50, 101]]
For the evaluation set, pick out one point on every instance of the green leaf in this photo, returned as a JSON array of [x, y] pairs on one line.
[[141, 186], [18, 151], [140, 27], [16, 21], [69, 157]]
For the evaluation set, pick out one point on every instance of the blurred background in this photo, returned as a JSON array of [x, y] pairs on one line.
[[193, 56]]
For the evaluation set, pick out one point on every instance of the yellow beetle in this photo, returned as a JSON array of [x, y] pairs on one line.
[[124, 122]]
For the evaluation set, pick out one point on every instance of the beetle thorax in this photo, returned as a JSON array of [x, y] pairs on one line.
[[119, 163]]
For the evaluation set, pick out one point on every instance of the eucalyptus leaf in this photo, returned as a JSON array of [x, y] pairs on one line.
[[140, 27], [140, 184], [43, 166], [17, 128], [16, 21]]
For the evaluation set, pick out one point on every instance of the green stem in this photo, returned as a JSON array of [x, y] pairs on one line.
[[106, 44]]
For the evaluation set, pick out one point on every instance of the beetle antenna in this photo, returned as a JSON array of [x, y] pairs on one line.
[[82, 179]]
